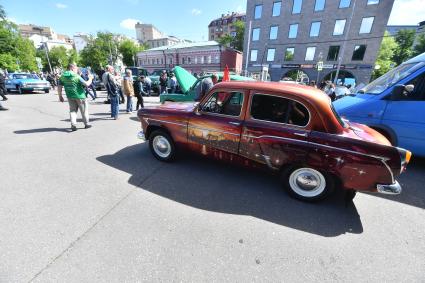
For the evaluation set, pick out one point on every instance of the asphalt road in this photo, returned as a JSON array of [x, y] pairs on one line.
[[95, 206]]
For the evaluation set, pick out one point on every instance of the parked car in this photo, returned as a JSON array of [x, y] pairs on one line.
[[393, 105], [188, 84], [288, 128], [22, 82]]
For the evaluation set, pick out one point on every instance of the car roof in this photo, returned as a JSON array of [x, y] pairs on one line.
[[302, 91], [304, 94]]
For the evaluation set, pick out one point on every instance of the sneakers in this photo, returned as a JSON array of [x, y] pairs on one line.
[[3, 108], [87, 126], [73, 128]]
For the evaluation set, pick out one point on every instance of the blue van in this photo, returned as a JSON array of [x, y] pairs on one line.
[[393, 104]]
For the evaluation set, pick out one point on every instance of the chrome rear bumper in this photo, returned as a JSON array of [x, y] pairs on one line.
[[393, 189]]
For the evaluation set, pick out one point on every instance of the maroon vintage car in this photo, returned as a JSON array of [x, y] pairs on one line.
[[288, 128]]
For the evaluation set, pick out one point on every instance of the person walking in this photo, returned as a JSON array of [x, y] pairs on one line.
[[128, 90], [3, 90], [113, 94], [91, 89], [173, 83], [74, 89], [163, 82], [118, 80], [142, 92]]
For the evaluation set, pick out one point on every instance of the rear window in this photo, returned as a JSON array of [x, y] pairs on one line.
[[279, 110]]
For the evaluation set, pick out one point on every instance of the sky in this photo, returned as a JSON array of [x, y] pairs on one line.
[[187, 19]]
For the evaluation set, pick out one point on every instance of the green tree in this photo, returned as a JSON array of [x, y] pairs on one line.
[[240, 31], [100, 51], [404, 40], [13, 45], [384, 60], [419, 48], [236, 41], [2, 13], [226, 40], [58, 57], [128, 49], [72, 56]]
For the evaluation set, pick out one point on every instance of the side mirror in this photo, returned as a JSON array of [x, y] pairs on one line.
[[398, 92]]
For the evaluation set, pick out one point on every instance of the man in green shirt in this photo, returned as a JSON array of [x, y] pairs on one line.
[[75, 92]]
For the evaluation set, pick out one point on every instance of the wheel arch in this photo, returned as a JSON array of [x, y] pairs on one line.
[[387, 132], [152, 128]]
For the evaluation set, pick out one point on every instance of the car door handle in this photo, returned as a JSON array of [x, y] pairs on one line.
[[235, 123], [301, 134]]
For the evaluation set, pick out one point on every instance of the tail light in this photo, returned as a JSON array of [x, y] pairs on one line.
[[405, 156]]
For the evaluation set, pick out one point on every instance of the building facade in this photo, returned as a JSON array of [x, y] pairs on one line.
[[291, 37], [29, 30], [145, 32], [224, 25], [195, 57], [80, 41]]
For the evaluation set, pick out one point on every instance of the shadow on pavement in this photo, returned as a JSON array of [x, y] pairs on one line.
[[413, 183], [135, 119], [217, 187], [42, 130]]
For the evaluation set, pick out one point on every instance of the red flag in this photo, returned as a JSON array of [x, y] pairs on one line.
[[226, 76]]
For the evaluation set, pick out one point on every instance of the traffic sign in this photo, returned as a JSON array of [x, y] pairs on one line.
[[320, 65]]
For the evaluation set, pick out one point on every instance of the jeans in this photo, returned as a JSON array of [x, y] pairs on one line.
[[114, 106], [74, 105], [163, 89], [129, 104], [139, 101]]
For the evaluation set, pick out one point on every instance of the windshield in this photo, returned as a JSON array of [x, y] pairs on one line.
[[391, 78], [25, 76]]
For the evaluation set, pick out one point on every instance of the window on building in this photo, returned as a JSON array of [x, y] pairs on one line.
[[273, 32], [276, 9], [209, 59], [315, 29], [296, 8], [217, 59], [293, 30], [183, 60], [196, 60], [333, 53], [344, 3], [212, 37], [255, 34], [270, 54], [202, 60], [162, 61], [309, 53], [258, 11], [289, 53], [359, 51], [320, 5], [188, 60], [372, 2], [366, 25], [254, 53], [339, 27]]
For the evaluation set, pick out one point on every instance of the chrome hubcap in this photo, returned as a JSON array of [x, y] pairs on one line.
[[307, 182], [161, 146]]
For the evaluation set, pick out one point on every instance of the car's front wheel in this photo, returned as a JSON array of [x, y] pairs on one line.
[[307, 184], [162, 145]]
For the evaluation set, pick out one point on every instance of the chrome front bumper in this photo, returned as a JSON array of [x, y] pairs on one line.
[[393, 189], [141, 136]]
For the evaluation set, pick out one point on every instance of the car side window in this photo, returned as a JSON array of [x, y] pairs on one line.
[[225, 103], [278, 109]]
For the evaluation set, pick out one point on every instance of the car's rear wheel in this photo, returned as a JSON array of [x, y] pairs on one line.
[[46, 91], [162, 145], [307, 184]]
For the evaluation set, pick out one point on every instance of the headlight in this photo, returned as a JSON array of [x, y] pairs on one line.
[[405, 156]]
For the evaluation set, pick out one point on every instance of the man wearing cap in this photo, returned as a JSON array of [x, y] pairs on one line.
[[75, 92]]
